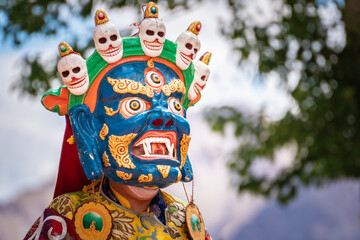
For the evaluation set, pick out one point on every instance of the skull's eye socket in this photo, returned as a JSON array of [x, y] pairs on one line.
[[189, 46], [65, 73], [150, 32], [102, 40], [175, 106], [161, 34], [76, 70], [113, 37], [131, 106], [195, 50], [203, 77]]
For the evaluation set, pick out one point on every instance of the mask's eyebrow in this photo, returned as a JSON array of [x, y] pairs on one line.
[[130, 86], [175, 85]]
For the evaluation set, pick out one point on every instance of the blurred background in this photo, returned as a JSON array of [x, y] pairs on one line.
[[275, 137]]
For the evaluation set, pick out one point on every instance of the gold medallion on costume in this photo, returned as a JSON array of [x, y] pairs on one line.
[[92, 221], [194, 222]]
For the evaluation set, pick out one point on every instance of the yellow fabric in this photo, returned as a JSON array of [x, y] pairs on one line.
[[123, 201], [127, 224]]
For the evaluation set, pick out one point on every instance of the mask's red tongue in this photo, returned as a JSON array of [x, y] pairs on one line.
[[158, 148]]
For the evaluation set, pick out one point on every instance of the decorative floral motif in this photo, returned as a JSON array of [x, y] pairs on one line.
[[172, 232], [184, 146], [38, 233], [144, 178], [164, 170], [124, 175], [179, 177], [175, 85], [63, 205], [119, 149], [110, 112], [176, 213], [104, 132], [122, 228], [71, 140], [106, 160], [130, 86]]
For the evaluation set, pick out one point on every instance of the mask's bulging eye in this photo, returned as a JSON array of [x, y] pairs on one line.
[[154, 79], [131, 106], [175, 106]]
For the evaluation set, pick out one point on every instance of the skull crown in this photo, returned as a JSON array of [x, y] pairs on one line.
[[152, 30]]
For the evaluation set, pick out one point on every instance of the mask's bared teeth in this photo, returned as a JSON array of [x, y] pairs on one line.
[[139, 143], [169, 148], [146, 150], [148, 145], [172, 151]]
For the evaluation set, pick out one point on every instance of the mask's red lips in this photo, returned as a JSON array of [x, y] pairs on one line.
[[156, 145]]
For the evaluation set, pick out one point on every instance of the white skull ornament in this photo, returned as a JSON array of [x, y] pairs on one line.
[[152, 32], [72, 69], [152, 36], [201, 76], [107, 39], [188, 45]]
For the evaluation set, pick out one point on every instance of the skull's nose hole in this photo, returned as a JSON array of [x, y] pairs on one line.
[[169, 123], [157, 122]]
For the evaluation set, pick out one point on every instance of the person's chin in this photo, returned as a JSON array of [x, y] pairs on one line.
[[143, 193]]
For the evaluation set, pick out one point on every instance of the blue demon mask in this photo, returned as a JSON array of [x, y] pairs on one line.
[[137, 134], [127, 102]]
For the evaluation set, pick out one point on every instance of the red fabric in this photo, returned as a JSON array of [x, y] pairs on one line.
[[71, 176], [54, 223]]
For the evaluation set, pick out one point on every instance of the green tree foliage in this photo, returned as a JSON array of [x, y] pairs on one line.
[[324, 127]]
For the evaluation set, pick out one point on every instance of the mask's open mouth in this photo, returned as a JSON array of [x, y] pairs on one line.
[[156, 145], [112, 51], [77, 82], [186, 58], [154, 46]]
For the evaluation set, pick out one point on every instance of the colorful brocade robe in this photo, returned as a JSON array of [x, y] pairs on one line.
[[57, 220]]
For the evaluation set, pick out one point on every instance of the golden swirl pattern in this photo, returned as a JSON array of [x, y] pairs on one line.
[[150, 63], [71, 140], [144, 178], [130, 86], [119, 149], [179, 177], [104, 132], [164, 170], [184, 147], [105, 159], [124, 175], [175, 85], [110, 112]]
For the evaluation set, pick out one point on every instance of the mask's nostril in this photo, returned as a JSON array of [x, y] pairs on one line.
[[169, 123], [157, 122]]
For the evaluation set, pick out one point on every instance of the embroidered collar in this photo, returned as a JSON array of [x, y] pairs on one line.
[[157, 205]]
